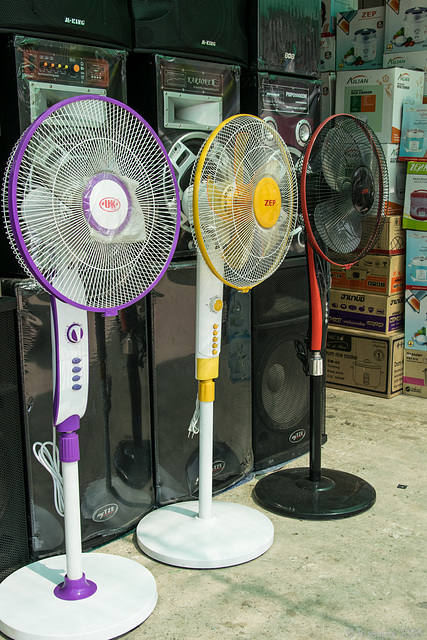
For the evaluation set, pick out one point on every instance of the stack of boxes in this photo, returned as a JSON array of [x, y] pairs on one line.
[[366, 344]]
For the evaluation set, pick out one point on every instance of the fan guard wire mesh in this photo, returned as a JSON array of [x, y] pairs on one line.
[[44, 185], [239, 153], [344, 189]]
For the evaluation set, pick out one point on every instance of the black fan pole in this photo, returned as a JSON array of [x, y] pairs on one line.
[[314, 493]]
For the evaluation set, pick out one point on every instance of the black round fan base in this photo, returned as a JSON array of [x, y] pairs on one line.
[[291, 493]]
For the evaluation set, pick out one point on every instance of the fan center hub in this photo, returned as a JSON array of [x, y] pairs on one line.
[[267, 202], [106, 204], [362, 190]]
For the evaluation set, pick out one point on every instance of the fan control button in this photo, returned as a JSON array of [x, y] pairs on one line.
[[215, 326], [215, 332], [76, 369], [76, 360], [215, 304], [75, 378], [214, 351], [76, 387]]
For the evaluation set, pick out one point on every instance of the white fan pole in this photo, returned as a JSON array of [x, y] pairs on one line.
[[205, 460], [72, 528]]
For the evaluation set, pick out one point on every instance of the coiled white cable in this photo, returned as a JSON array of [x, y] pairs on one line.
[[47, 453]]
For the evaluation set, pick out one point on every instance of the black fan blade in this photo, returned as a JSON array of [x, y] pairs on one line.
[[340, 230]]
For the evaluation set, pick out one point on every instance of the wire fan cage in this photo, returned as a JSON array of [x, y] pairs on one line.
[[238, 155], [344, 189], [49, 186]]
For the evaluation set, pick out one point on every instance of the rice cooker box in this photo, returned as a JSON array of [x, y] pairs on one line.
[[392, 238], [406, 25], [396, 179], [416, 260], [384, 275], [416, 320], [377, 95], [408, 59], [360, 39], [415, 203], [364, 362], [368, 311], [413, 138], [415, 373], [329, 10]]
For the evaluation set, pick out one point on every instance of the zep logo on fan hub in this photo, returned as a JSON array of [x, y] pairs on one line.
[[267, 202], [106, 204]]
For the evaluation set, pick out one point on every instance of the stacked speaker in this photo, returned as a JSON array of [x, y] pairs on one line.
[[282, 86]]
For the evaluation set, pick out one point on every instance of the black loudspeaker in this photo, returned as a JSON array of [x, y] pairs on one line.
[[280, 386], [173, 313], [184, 101], [115, 469], [199, 30], [14, 543], [106, 22], [284, 37]]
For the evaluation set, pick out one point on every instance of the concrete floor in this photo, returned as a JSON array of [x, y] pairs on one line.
[[359, 577]]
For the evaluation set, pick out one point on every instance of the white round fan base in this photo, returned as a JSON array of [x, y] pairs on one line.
[[177, 536], [126, 595]]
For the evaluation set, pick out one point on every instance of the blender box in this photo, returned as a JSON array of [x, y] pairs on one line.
[[360, 39], [396, 179], [408, 59], [364, 362], [327, 98], [415, 373], [329, 10], [406, 25], [413, 138], [416, 260], [392, 238], [376, 96], [368, 311], [327, 52], [384, 275], [415, 203], [416, 319]]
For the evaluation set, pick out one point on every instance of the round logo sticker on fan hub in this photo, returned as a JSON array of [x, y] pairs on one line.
[[267, 202], [107, 204]]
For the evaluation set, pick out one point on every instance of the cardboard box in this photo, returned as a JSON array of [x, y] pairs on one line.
[[415, 373], [364, 362], [384, 275], [416, 260], [406, 25], [366, 311], [376, 96], [408, 59], [392, 239], [360, 39], [396, 179], [329, 10], [413, 139], [416, 319], [327, 100], [415, 203], [327, 53]]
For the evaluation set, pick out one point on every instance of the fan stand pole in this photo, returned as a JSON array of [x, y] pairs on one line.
[[314, 493], [205, 459]]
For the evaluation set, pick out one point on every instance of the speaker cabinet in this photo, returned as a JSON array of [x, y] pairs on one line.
[[199, 30], [115, 469], [106, 22], [284, 37], [280, 386], [14, 545], [173, 312], [184, 101]]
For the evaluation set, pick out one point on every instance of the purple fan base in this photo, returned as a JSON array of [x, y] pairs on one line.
[[12, 203], [75, 589]]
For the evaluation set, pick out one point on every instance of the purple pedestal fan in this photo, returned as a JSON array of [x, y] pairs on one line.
[[91, 209]]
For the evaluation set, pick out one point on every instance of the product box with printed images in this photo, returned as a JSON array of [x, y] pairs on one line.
[[408, 59], [406, 25], [392, 239], [415, 203], [376, 96], [360, 39], [384, 275], [367, 311], [329, 10], [413, 139], [415, 373], [416, 319], [396, 179], [327, 53], [364, 362], [416, 260]]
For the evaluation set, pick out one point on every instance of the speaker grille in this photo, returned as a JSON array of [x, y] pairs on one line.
[[14, 545]]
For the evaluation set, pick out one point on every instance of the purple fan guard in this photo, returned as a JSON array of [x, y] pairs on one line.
[[12, 203]]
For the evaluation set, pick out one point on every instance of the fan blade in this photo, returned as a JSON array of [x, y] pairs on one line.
[[240, 145], [340, 228]]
